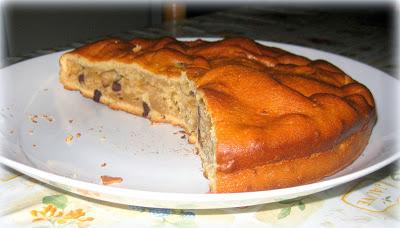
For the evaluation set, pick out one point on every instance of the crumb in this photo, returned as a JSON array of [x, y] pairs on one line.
[[103, 165], [107, 180], [69, 138], [183, 136], [34, 145], [45, 89], [48, 118], [78, 135], [12, 132], [70, 121], [34, 118], [30, 132], [103, 138]]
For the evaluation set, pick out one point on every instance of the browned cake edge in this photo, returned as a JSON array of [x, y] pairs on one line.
[[296, 172]]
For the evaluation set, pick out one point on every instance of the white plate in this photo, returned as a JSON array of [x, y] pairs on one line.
[[159, 169]]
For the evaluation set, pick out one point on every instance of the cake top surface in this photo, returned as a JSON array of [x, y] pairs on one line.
[[267, 104]]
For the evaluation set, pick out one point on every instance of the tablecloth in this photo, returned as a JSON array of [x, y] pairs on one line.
[[371, 201]]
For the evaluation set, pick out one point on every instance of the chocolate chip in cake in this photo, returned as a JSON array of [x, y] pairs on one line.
[[81, 78], [97, 95], [116, 86], [146, 109]]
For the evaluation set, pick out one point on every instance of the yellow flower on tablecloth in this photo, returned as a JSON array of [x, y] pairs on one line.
[[55, 213]]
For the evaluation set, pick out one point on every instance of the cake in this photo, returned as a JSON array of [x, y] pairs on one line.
[[260, 117]]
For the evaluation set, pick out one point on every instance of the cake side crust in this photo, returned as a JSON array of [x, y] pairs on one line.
[[295, 172]]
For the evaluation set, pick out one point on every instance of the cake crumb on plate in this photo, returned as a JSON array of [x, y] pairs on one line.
[[107, 180], [69, 138], [34, 118]]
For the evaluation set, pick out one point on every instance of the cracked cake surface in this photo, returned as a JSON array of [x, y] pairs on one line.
[[261, 117]]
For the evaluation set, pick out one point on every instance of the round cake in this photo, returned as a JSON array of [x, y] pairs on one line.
[[260, 117]]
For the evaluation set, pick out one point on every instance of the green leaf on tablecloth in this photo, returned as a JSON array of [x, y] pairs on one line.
[[59, 201], [284, 212], [301, 205], [387, 198]]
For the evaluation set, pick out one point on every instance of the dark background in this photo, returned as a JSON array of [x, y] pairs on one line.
[[33, 26], [28, 27]]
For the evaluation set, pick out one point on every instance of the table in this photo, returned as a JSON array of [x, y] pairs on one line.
[[370, 201]]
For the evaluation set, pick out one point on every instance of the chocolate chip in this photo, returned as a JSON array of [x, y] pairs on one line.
[[97, 95], [116, 86], [81, 78], [146, 109]]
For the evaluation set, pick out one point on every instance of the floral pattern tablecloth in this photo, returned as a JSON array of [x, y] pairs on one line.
[[371, 201]]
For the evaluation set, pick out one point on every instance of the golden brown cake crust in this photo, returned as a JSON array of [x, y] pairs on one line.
[[271, 109]]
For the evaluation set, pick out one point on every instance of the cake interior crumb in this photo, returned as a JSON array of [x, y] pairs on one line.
[[169, 101]]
